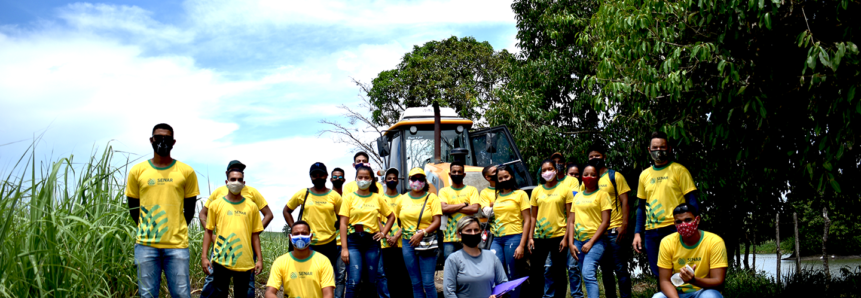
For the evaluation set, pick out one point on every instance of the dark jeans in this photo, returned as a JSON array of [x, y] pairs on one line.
[[331, 250], [364, 262], [340, 278], [653, 244], [221, 282], [449, 248], [615, 260], [551, 277], [210, 278], [396, 272]]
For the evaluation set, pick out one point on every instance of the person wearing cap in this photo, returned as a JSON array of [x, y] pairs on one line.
[[392, 254], [559, 161], [457, 200], [661, 186], [248, 193], [615, 258], [360, 159], [320, 208], [417, 224], [703, 252]]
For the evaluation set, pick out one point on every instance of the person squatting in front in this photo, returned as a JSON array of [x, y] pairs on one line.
[[361, 211], [419, 212], [471, 271], [302, 272], [698, 257], [587, 223], [234, 224], [548, 237]]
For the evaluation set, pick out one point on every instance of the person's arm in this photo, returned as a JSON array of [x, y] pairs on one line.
[[715, 278], [665, 284], [255, 242], [345, 253], [202, 215], [639, 226], [605, 222], [267, 216], [570, 232], [451, 208], [204, 259], [564, 243], [434, 224], [530, 244], [470, 210], [288, 215], [390, 221], [271, 292], [134, 208], [527, 218], [626, 211], [449, 281], [188, 209], [329, 292], [691, 199]]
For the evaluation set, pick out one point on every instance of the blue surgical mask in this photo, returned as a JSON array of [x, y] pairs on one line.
[[300, 242]]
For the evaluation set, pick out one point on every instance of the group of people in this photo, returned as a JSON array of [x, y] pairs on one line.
[[576, 221]]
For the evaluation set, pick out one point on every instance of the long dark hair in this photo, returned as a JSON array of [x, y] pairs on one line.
[[552, 163], [373, 187], [511, 172]]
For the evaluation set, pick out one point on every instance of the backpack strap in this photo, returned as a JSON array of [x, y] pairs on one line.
[[612, 174], [307, 190]]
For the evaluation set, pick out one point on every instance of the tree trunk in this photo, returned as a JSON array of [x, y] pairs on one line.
[[824, 240], [737, 254], [436, 134], [746, 250], [777, 243], [797, 246]]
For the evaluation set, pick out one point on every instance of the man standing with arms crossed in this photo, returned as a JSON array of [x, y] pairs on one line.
[[457, 200], [161, 194], [661, 187]]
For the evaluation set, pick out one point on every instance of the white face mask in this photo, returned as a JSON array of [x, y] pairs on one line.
[[235, 187], [549, 175], [363, 185]]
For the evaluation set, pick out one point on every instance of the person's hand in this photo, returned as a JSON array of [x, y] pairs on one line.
[[530, 245], [621, 233], [416, 238], [563, 245], [688, 275], [637, 243], [518, 253], [204, 262], [492, 296], [586, 247], [345, 256], [487, 211], [378, 236], [258, 267], [391, 240], [574, 252]]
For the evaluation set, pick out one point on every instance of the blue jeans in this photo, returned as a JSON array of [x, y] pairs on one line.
[[211, 277], [589, 265], [504, 248], [574, 277], [421, 268], [653, 244], [152, 261], [546, 251], [364, 261], [340, 278], [449, 248], [615, 260], [704, 293]]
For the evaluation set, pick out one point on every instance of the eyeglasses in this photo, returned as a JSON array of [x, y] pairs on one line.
[[337, 177], [159, 138], [416, 178]]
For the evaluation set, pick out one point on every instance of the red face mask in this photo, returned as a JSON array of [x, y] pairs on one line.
[[590, 182], [688, 229]]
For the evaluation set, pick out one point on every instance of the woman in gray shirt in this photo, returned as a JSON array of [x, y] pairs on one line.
[[471, 272]]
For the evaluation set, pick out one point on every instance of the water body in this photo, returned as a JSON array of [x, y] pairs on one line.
[[767, 263]]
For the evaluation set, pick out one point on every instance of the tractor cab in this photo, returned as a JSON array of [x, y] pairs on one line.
[[410, 143]]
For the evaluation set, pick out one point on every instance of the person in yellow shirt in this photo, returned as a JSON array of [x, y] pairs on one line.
[[338, 180], [510, 217], [573, 170], [559, 162], [616, 256], [392, 246], [234, 223], [247, 192], [662, 186], [302, 272], [548, 238], [488, 194], [320, 210], [359, 160], [699, 257], [361, 211], [161, 195], [419, 212], [587, 224], [457, 200]]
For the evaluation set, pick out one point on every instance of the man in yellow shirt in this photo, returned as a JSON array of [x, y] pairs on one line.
[[303, 272], [337, 180], [457, 200], [699, 257], [161, 195], [487, 195], [561, 175], [662, 186], [234, 223]]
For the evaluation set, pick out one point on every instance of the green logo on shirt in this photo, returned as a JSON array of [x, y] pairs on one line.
[[681, 261], [151, 182], [227, 250], [293, 275], [543, 230], [229, 212], [653, 181], [152, 226]]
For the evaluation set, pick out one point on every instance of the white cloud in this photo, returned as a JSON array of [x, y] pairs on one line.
[[131, 19]]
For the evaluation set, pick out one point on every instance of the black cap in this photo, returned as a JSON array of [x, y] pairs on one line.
[[235, 164], [318, 166]]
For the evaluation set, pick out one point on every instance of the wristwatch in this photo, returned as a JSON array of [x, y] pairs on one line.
[[465, 205]]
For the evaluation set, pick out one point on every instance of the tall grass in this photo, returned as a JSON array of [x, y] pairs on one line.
[[65, 231]]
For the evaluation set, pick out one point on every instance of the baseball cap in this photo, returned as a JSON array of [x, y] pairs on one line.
[[392, 170], [557, 154], [235, 164], [417, 171], [318, 166]]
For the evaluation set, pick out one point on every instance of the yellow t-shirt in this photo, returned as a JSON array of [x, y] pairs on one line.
[[507, 213], [365, 210], [392, 201], [486, 197], [450, 195], [161, 192], [587, 210], [247, 192], [709, 253], [319, 213], [663, 189], [232, 224], [303, 278], [352, 187], [571, 182], [622, 186], [408, 209], [552, 220]]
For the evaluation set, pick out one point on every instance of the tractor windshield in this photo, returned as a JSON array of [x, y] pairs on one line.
[[419, 146]]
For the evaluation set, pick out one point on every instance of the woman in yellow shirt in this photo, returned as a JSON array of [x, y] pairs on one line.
[[587, 222], [361, 211], [510, 217], [550, 204], [409, 209]]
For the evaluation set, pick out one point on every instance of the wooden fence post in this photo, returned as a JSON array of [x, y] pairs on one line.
[[824, 240], [777, 243], [797, 246]]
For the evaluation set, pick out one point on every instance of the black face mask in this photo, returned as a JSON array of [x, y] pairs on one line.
[[598, 163], [457, 179], [393, 184], [162, 145], [336, 183], [507, 184], [470, 240], [560, 168], [319, 183]]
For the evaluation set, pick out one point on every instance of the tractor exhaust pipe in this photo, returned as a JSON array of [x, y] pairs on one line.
[[436, 134]]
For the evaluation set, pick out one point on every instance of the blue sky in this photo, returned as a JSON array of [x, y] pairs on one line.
[[247, 80]]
